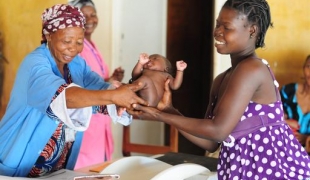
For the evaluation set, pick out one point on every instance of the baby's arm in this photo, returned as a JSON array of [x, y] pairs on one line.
[[137, 70], [177, 81]]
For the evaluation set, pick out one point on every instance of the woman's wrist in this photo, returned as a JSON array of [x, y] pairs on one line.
[[171, 110]]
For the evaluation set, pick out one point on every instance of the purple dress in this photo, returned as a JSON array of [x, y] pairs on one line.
[[269, 152]]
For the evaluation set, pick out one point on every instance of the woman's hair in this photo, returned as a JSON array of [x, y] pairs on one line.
[[257, 12], [82, 3]]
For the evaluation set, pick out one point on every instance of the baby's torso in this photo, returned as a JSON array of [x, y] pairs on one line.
[[157, 77], [154, 86]]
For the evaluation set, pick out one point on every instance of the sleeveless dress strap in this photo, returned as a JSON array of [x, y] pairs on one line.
[[274, 79]]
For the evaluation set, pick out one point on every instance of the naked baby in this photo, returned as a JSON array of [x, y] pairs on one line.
[[153, 71]]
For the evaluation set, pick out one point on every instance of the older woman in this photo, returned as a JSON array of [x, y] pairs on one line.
[[53, 98]]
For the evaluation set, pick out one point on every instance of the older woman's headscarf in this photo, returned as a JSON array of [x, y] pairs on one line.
[[61, 16], [82, 3]]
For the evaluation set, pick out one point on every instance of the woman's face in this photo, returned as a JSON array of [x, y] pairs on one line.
[[91, 19], [232, 33], [65, 44], [307, 71]]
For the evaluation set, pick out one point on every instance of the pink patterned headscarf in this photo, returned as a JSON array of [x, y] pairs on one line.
[[61, 16]]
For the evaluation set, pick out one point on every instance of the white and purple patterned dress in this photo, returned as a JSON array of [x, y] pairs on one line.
[[269, 152]]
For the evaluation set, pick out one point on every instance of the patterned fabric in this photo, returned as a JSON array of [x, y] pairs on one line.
[[54, 155], [272, 152], [61, 16]]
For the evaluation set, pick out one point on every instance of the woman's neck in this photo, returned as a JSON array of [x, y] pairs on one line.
[[236, 59], [305, 88], [88, 37]]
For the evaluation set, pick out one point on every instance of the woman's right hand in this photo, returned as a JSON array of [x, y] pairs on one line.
[[125, 96]]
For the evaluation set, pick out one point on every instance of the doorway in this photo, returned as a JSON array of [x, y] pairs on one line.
[[190, 38]]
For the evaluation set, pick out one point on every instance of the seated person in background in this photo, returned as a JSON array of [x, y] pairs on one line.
[[153, 71], [296, 105]]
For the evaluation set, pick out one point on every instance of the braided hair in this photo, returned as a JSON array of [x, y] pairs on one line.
[[257, 12]]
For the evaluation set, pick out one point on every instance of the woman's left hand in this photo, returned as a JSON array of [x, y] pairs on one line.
[[144, 112]]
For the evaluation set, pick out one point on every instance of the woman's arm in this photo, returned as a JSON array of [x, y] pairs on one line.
[[166, 106], [124, 96], [208, 145]]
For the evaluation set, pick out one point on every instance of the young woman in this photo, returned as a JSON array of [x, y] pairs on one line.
[[245, 112]]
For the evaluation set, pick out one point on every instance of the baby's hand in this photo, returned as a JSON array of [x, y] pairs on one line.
[[181, 65], [144, 58]]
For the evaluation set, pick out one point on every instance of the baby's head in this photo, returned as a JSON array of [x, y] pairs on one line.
[[159, 63], [257, 12]]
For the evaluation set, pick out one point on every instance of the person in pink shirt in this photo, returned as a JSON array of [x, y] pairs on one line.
[[97, 144]]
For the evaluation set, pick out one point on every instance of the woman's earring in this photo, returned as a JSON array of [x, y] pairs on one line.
[[251, 36]]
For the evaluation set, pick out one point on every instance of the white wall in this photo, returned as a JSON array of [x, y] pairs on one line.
[[221, 62]]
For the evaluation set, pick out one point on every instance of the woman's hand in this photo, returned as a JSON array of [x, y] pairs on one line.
[[166, 101], [117, 75], [124, 96]]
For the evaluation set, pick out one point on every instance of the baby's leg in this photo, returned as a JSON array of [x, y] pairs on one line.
[[149, 91]]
